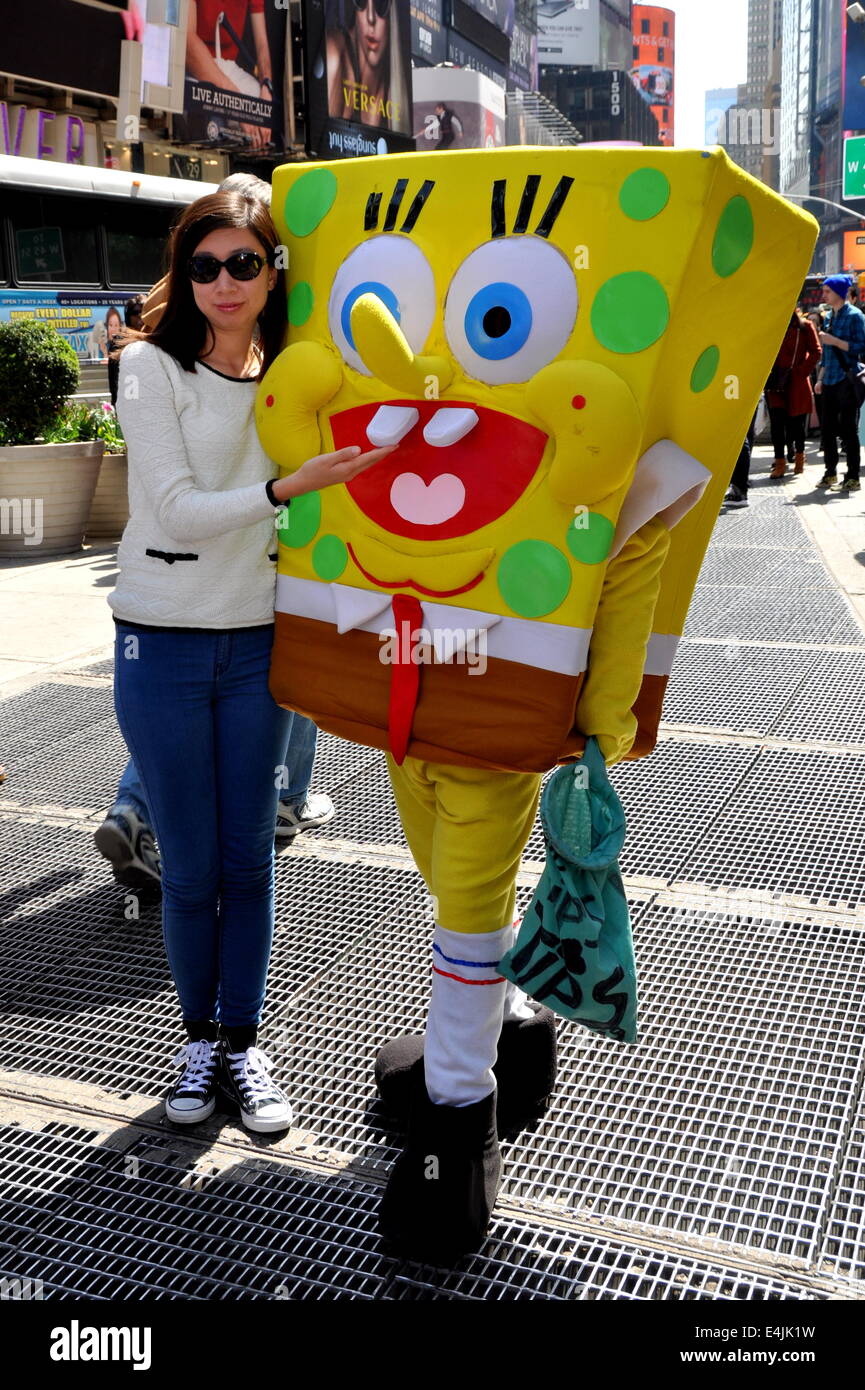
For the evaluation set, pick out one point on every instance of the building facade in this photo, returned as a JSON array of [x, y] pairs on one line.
[[811, 126], [653, 66]]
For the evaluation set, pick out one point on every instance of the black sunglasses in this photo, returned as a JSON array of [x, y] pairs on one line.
[[243, 265], [381, 6]]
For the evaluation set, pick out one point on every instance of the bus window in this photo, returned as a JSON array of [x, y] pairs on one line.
[[136, 236], [54, 239]]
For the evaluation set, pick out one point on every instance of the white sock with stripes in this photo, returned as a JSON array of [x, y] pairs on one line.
[[465, 1015]]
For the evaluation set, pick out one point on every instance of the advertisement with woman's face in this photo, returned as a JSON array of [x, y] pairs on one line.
[[368, 62], [232, 72]]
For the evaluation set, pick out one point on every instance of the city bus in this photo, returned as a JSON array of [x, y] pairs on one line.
[[77, 242]]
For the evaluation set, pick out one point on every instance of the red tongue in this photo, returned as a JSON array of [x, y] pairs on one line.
[[495, 463]]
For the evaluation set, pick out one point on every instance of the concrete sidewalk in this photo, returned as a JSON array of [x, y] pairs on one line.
[[719, 1159]]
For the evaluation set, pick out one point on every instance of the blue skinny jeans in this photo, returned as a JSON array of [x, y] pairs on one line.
[[209, 744]]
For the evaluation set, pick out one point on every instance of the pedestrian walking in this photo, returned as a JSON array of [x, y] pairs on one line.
[[194, 613], [843, 342], [789, 396]]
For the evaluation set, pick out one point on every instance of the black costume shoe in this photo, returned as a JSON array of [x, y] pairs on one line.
[[525, 1071], [440, 1195]]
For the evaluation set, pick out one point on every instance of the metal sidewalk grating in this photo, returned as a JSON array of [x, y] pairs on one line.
[[36, 720], [725, 1121], [82, 768], [843, 1251], [768, 522], [745, 613], [90, 1216], [736, 686], [786, 570], [87, 994], [526, 1261], [793, 826], [671, 800], [830, 704], [97, 1223]]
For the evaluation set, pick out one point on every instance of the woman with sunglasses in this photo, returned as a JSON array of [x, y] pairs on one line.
[[194, 614]]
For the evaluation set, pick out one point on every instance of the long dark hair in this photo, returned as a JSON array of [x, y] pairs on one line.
[[182, 330]]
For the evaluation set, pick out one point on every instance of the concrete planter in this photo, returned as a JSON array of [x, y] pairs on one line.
[[109, 510], [45, 496]]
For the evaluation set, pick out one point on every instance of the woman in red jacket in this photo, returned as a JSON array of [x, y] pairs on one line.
[[789, 395]]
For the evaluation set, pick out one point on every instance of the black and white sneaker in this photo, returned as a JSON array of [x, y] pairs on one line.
[[244, 1081], [193, 1097], [127, 842]]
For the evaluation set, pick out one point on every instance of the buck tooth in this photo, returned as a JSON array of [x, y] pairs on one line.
[[449, 426], [391, 423]]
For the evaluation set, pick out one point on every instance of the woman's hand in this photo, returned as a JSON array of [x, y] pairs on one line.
[[325, 470]]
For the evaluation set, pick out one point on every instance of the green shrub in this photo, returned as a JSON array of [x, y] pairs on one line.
[[38, 373]]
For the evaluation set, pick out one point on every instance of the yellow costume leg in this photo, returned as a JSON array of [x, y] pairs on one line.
[[467, 828]]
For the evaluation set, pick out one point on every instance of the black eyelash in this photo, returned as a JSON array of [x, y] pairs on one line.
[[554, 206]]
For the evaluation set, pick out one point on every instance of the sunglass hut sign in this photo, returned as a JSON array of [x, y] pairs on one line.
[[38, 134]]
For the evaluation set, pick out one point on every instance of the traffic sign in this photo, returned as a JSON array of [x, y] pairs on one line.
[[854, 167], [40, 251]]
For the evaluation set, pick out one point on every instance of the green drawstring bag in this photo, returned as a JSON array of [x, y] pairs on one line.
[[574, 950]]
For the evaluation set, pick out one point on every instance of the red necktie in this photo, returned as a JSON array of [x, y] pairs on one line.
[[404, 676]]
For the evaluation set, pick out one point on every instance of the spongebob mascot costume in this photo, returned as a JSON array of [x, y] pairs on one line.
[[567, 347]]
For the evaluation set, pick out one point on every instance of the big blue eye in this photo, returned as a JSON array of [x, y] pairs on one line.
[[511, 308], [397, 271], [385, 294], [498, 321]]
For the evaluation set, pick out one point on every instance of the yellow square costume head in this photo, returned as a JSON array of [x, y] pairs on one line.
[[568, 346]]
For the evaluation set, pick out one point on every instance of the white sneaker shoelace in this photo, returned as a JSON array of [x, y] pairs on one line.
[[250, 1071], [199, 1059]]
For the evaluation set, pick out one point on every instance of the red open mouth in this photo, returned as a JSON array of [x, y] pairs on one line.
[[428, 492]]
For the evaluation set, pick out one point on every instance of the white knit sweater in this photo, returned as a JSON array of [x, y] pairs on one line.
[[196, 490]]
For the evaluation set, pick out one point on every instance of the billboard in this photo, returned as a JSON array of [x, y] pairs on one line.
[[854, 251], [357, 71], [467, 55], [428, 38], [234, 67], [501, 13], [64, 44], [523, 62], [653, 72], [569, 33], [40, 134], [79, 316], [854, 71], [457, 109]]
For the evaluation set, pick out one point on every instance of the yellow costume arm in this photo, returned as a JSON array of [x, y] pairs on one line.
[[623, 625]]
